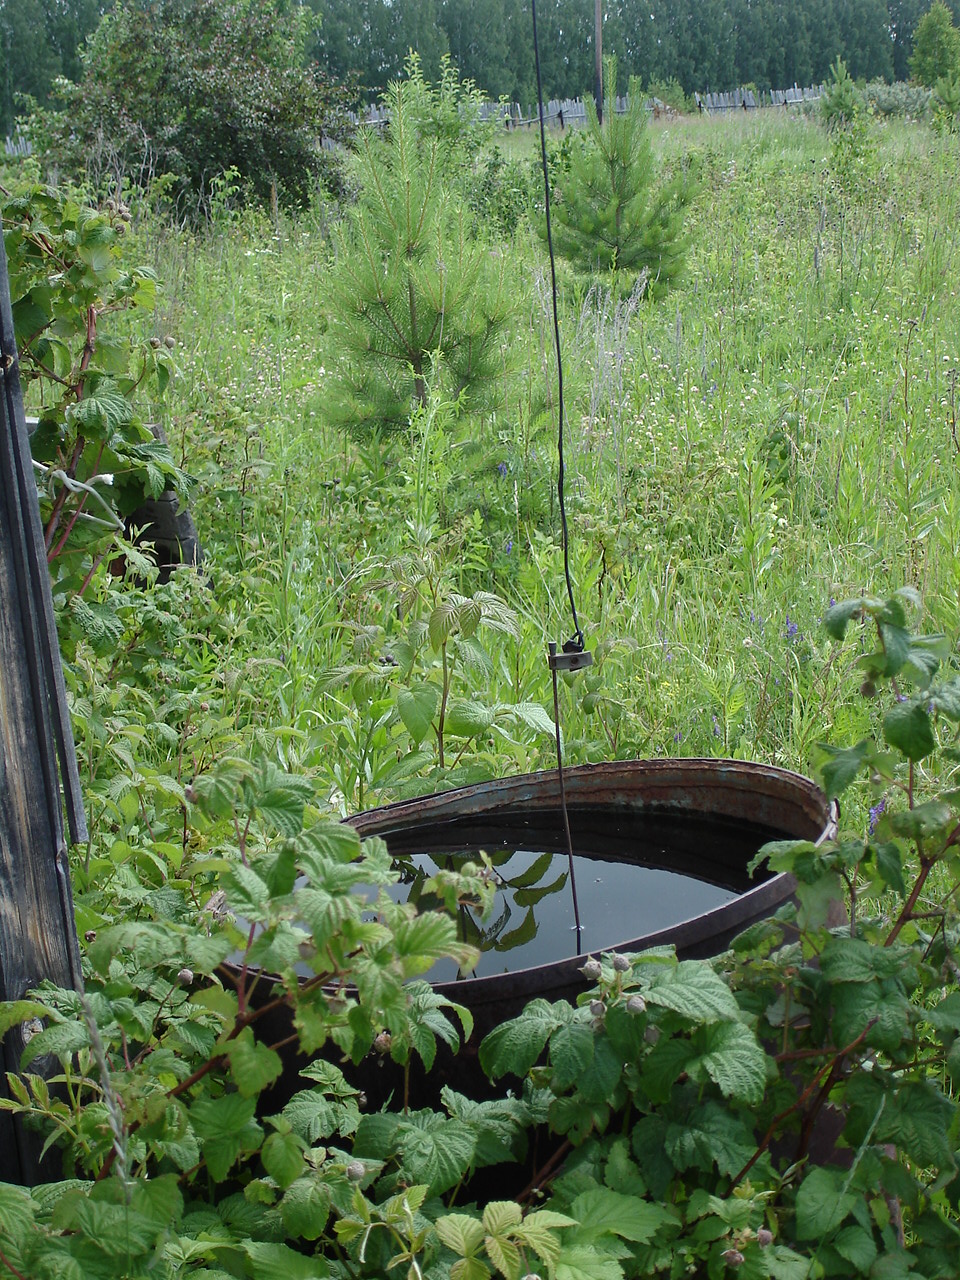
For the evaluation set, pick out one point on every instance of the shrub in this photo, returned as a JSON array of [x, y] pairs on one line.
[[194, 88]]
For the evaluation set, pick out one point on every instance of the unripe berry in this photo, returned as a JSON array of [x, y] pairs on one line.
[[764, 1237], [636, 1004], [591, 970], [356, 1170], [621, 964], [732, 1257], [597, 1008], [383, 1042], [185, 977]]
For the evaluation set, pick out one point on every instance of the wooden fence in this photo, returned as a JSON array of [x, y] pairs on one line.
[[38, 768], [570, 112]]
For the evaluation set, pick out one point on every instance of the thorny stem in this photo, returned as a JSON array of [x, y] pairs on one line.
[[777, 1121], [926, 866], [546, 1172], [5, 1261]]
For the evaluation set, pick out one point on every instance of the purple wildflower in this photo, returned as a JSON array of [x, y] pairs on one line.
[[716, 728], [509, 547], [792, 628], [502, 469], [875, 813]]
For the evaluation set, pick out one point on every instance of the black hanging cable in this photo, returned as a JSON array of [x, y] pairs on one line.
[[574, 655], [575, 643]]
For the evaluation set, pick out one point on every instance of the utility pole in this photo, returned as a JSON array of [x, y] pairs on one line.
[[598, 47]]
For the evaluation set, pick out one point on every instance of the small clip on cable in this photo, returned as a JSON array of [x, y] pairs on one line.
[[573, 656]]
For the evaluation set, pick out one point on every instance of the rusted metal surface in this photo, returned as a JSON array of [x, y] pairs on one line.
[[723, 791], [786, 803]]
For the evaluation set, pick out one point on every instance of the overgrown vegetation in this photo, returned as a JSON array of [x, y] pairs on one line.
[[371, 624]]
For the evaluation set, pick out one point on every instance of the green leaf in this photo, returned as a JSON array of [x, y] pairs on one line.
[[601, 1211], [305, 1208], [712, 1136], [467, 718], [839, 766], [822, 1204], [837, 617], [515, 1046], [61, 1040], [436, 1151], [417, 706], [442, 624], [907, 729], [580, 1262], [227, 1129], [695, 991], [857, 1246], [534, 717], [252, 1065], [280, 1262], [17, 1212], [460, 1233], [247, 894], [734, 1061], [282, 1156], [501, 1216], [571, 1052], [100, 414], [14, 1011], [470, 1269]]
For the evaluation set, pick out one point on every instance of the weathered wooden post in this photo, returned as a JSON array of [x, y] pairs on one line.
[[38, 769]]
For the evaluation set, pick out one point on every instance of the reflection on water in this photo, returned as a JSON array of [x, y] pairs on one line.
[[635, 875]]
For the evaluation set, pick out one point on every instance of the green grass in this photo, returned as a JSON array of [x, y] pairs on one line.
[[777, 431]]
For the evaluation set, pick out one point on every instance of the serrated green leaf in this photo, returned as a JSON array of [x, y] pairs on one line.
[[442, 623], [435, 1151], [534, 717], [60, 1040], [226, 1128], [282, 1156], [460, 1233], [857, 1246], [467, 718], [500, 1216], [280, 1262], [305, 1208], [470, 1269], [822, 1204], [695, 991], [734, 1061], [580, 1262], [14, 1011], [515, 1046], [602, 1211], [252, 1065], [418, 706], [839, 766], [907, 728]]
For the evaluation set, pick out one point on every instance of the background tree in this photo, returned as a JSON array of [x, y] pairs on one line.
[[197, 87], [417, 298], [610, 215], [40, 40], [936, 46]]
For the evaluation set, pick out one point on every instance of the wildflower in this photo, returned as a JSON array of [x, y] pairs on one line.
[[716, 728], [875, 813], [509, 547], [502, 469], [792, 628]]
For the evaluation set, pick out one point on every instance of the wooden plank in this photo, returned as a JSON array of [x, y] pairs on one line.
[[37, 930]]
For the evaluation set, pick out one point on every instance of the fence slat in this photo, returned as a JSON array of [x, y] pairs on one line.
[[37, 930]]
